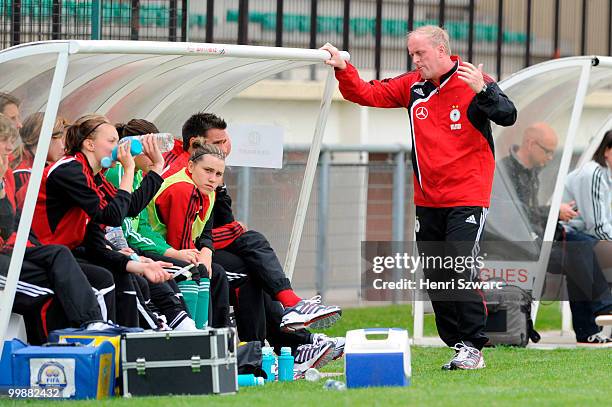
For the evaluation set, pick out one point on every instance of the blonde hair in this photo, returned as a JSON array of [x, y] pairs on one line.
[[436, 35], [7, 129], [30, 133]]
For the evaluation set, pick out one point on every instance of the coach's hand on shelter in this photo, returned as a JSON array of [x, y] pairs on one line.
[[336, 60], [471, 75]]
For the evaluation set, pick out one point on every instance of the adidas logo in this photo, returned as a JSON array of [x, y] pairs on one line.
[[471, 219], [419, 91]]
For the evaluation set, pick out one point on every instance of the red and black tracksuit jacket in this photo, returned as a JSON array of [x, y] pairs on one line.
[[23, 170], [74, 206], [175, 159], [22, 174], [9, 216], [452, 145], [7, 209], [178, 207], [226, 229]]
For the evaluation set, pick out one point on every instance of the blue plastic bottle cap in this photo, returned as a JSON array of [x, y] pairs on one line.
[[106, 162], [136, 147], [285, 350]]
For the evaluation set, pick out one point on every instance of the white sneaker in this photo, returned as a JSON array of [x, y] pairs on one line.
[[313, 356], [186, 324], [310, 313], [466, 358], [338, 341], [100, 326]]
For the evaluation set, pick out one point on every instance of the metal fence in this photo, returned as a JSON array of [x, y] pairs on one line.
[[36, 20], [505, 35], [361, 193]]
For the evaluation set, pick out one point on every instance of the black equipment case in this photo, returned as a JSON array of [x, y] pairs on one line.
[[169, 362]]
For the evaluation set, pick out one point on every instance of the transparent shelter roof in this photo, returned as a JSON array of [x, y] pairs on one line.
[[161, 82]]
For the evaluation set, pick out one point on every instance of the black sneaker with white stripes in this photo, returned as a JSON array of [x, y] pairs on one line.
[[598, 340], [310, 313], [315, 355]]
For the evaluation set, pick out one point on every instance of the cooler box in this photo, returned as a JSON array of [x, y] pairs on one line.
[[377, 357], [6, 370], [80, 372]]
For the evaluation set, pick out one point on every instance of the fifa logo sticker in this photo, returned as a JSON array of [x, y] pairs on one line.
[[53, 374]]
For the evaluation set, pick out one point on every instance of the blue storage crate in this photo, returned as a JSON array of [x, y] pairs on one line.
[[79, 372], [6, 370]]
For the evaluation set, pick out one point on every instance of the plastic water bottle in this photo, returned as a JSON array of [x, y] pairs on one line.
[[246, 380], [285, 365], [135, 149], [312, 375], [165, 141], [334, 385], [267, 362], [114, 234]]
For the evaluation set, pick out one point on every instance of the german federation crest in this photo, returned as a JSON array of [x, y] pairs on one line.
[[455, 115]]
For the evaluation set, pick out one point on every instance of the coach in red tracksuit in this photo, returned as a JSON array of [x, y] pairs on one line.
[[450, 105]]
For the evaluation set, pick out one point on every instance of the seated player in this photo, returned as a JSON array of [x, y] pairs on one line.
[[251, 246], [140, 237]]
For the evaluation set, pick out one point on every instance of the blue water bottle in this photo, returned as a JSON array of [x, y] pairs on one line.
[[135, 149], [267, 362], [285, 365], [245, 380]]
